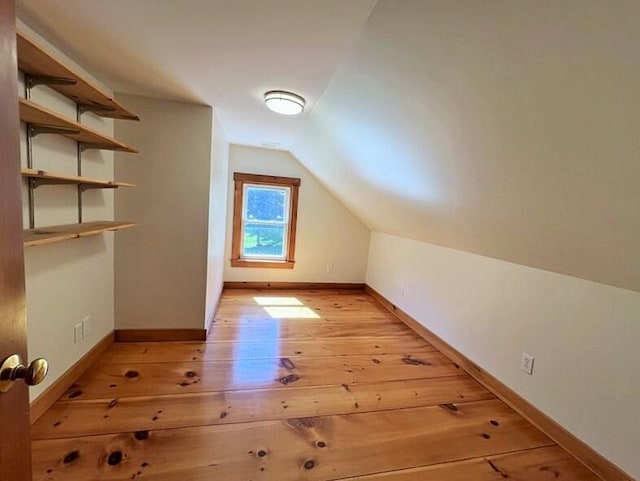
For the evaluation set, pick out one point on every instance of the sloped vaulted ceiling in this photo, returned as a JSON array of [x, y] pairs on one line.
[[224, 53], [505, 128], [508, 128]]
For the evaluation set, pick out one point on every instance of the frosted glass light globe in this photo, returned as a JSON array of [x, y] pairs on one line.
[[284, 103]]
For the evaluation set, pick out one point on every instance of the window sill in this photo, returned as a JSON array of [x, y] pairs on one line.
[[262, 264]]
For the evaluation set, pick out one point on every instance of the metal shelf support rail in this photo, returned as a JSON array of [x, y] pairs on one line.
[[31, 81]]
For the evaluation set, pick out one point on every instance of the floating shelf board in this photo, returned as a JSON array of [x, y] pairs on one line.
[[37, 115], [59, 233], [54, 178], [35, 61]]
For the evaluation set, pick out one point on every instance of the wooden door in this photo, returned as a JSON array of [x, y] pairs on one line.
[[15, 449]]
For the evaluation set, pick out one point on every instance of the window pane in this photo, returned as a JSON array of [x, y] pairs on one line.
[[265, 204], [263, 240]]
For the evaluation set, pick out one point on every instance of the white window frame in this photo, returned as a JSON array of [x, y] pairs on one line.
[[284, 223]]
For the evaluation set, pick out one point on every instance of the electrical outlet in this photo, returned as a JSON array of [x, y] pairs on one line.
[[77, 333], [329, 268], [527, 363], [86, 329]]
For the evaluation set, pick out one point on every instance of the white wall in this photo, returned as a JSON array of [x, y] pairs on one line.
[[584, 335], [161, 265], [217, 216], [328, 233], [72, 280]]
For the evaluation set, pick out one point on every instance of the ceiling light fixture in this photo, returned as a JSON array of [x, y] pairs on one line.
[[284, 103]]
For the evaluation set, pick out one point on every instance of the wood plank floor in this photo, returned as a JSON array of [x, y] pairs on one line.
[[295, 385]]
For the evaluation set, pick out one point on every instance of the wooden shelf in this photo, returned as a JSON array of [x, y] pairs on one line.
[[59, 233], [36, 62], [44, 177], [37, 115]]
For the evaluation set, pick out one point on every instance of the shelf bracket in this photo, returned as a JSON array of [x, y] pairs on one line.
[[39, 182], [33, 80], [36, 182], [51, 129]]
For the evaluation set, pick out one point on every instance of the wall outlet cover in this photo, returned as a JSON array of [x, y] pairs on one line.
[[77, 333], [527, 363], [86, 328]]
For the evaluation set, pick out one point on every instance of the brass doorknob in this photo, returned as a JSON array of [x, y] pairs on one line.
[[12, 369]]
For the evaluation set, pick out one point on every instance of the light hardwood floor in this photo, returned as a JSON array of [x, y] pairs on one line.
[[291, 385]]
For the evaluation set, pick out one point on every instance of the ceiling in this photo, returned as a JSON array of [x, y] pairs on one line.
[[508, 128], [225, 53]]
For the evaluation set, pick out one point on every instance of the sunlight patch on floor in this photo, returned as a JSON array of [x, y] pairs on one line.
[[285, 307], [278, 301]]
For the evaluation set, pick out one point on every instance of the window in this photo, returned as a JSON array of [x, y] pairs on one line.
[[264, 221]]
